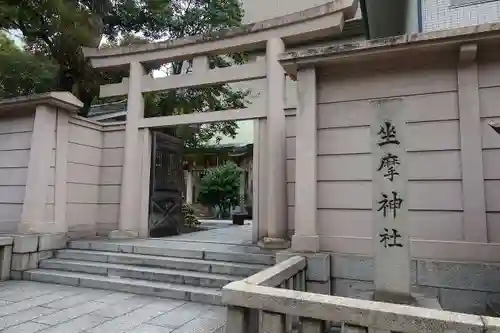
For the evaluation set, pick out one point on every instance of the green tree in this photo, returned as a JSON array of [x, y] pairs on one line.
[[22, 73], [58, 28], [220, 187]]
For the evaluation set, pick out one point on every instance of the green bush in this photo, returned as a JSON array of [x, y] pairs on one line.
[[220, 188]]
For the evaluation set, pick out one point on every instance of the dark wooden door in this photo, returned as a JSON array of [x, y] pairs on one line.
[[167, 186]]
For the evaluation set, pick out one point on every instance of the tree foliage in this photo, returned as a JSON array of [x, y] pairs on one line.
[[220, 187], [57, 29], [22, 73]]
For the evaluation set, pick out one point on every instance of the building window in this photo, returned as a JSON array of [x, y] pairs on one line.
[[461, 3]]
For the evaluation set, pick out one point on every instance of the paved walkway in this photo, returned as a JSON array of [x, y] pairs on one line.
[[27, 307], [235, 239], [226, 234]]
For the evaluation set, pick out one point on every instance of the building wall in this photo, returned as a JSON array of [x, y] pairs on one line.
[[489, 88], [441, 110], [344, 151], [441, 14], [435, 133], [84, 160], [110, 178], [95, 160], [15, 143], [465, 287]]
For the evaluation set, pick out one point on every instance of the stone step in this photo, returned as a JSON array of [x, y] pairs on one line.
[[140, 287], [202, 279], [181, 249], [185, 264]]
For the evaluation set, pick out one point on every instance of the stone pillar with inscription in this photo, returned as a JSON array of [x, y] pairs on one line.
[[391, 226], [390, 204]]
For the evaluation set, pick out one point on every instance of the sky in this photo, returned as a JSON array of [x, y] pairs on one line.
[[14, 35], [243, 137]]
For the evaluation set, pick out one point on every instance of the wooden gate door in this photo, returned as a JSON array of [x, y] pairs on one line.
[[167, 186]]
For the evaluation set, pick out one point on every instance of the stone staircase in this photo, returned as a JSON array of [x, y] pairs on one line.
[[194, 271]]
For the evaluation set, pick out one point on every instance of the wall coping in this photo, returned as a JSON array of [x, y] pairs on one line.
[[355, 50], [57, 99]]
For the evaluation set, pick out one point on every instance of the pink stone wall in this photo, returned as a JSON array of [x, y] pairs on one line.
[[15, 143], [95, 160], [430, 89]]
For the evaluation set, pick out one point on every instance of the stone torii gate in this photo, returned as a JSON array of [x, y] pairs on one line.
[[270, 37]]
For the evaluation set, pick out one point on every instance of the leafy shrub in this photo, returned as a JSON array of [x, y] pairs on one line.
[[220, 187]]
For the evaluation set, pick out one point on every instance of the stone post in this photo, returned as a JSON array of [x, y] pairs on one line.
[[40, 232], [276, 154], [391, 232], [131, 185], [306, 236], [259, 178], [471, 152], [51, 116], [37, 180]]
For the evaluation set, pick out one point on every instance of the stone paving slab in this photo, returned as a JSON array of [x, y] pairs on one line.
[[186, 249], [51, 308], [235, 238], [237, 235]]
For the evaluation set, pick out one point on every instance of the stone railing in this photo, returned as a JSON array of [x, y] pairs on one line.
[[289, 274], [273, 301]]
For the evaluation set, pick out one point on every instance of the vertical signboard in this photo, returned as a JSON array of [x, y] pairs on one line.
[[390, 203]]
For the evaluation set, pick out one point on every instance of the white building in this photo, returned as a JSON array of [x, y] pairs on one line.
[[448, 14], [394, 17]]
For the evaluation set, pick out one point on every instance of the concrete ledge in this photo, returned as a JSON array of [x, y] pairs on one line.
[[79, 234], [354, 267], [426, 273], [58, 99], [25, 243], [318, 264], [26, 261], [21, 262], [460, 286], [305, 243], [274, 243], [120, 234], [491, 324], [6, 240], [324, 288], [52, 241], [105, 246], [27, 251], [459, 275]]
